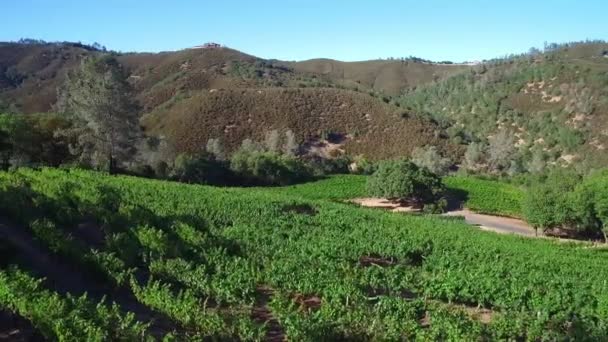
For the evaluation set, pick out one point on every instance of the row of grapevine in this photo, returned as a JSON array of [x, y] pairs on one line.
[[199, 255]]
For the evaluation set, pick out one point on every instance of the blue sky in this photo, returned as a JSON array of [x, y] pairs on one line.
[[298, 29]]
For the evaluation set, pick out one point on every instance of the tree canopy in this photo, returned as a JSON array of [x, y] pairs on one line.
[[100, 100]]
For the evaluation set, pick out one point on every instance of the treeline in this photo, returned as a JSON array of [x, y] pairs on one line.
[[518, 117], [570, 204], [91, 47]]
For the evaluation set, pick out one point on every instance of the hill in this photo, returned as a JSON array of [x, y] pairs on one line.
[[203, 262], [195, 94], [391, 77], [549, 106], [522, 113]]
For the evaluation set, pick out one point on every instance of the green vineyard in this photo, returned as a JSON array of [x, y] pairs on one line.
[[161, 260]]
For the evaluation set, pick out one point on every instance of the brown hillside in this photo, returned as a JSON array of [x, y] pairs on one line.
[[389, 76], [371, 127], [30, 74], [196, 94]]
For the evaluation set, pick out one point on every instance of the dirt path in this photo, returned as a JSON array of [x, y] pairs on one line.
[[383, 203], [64, 278], [261, 313]]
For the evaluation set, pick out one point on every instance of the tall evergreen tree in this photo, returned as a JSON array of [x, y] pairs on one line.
[[106, 123]]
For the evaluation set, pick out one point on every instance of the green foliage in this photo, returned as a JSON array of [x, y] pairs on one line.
[[403, 180], [429, 157], [31, 140], [590, 202], [268, 168], [65, 318], [486, 196], [105, 115], [548, 203], [219, 246], [200, 170]]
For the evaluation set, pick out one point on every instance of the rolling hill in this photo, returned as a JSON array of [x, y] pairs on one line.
[[196, 94], [549, 106]]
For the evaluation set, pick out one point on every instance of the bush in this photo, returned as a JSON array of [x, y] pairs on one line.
[[591, 204], [201, 170], [268, 168], [405, 181], [549, 204], [324, 166], [430, 158], [362, 166]]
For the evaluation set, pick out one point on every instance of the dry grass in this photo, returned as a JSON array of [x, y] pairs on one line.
[[376, 130]]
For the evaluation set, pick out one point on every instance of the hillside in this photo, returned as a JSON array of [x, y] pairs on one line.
[[546, 108], [550, 107], [391, 77], [363, 124], [196, 94], [264, 264]]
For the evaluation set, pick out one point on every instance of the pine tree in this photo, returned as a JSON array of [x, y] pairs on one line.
[[100, 101]]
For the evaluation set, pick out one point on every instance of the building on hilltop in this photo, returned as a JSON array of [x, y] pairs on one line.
[[209, 45]]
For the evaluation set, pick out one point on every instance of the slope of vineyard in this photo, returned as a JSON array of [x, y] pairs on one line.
[[269, 263]]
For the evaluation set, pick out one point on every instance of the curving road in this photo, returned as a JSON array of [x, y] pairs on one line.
[[504, 225]]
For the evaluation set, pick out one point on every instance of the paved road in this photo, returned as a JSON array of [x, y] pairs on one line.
[[497, 224]]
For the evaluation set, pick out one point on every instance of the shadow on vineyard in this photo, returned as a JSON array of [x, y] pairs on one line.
[[202, 262], [17, 329], [65, 277]]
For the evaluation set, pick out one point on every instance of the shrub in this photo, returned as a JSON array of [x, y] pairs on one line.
[[324, 166], [405, 181], [430, 158], [268, 168], [591, 204], [362, 166], [549, 204], [201, 170]]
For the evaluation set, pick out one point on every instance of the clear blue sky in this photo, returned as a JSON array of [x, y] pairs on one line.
[[298, 29]]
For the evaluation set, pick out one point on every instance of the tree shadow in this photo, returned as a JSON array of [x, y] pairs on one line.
[[456, 198]]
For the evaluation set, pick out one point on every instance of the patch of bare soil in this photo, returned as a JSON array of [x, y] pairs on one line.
[[482, 315], [17, 329], [261, 314], [374, 292], [308, 302], [384, 203], [331, 147], [64, 277], [376, 260]]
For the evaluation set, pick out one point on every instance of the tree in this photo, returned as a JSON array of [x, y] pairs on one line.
[[500, 150], [473, 156], [404, 181], [272, 141], [30, 139], [5, 149], [592, 203], [215, 147], [291, 145], [430, 158], [268, 168], [200, 170], [100, 101], [550, 204]]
